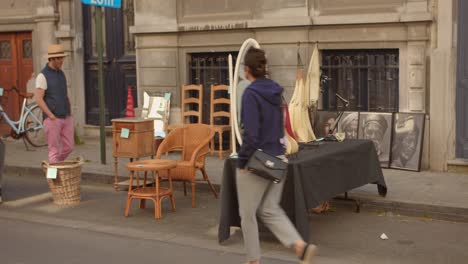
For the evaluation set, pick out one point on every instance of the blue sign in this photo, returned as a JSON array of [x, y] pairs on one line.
[[104, 3]]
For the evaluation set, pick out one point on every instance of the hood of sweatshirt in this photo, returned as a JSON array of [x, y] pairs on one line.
[[268, 90]]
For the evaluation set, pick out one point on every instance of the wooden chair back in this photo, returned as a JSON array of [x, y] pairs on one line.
[[192, 106], [216, 102]]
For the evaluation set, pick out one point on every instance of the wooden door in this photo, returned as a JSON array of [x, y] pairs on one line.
[[119, 62], [15, 71], [462, 82], [24, 58]]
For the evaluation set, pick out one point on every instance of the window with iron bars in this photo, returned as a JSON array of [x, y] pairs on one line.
[[207, 69], [367, 79]]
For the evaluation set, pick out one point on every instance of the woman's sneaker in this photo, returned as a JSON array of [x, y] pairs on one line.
[[308, 255]]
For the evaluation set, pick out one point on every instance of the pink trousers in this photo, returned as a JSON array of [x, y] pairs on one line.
[[60, 138]]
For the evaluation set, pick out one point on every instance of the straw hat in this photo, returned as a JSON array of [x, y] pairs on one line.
[[55, 51]]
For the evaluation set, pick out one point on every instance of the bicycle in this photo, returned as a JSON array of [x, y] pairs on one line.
[[29, 126]]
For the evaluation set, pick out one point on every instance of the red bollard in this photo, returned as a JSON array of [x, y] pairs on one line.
[[130, 111]]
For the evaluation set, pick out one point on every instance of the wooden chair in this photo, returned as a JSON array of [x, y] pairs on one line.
[[194, 141], [215, 114], [190, 106], [189, 102]]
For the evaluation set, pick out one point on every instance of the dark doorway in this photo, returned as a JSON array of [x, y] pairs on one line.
[[462, 81], [119, 61]]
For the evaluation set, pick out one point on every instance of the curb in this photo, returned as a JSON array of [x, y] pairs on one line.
[[85, 176], [440, 212]]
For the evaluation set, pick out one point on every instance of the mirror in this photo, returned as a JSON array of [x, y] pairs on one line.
[[156, 105], [239, 84]]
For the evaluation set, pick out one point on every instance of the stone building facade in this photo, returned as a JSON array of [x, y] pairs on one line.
[[169, 33], [50, 21]]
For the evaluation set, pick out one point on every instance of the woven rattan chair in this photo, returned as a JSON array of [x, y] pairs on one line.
[[194, 141]]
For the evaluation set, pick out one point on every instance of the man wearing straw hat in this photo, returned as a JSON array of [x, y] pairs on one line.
[[52, 98]]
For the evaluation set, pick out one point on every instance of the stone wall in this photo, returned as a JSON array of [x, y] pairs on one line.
[[166, 36], [168, 31]]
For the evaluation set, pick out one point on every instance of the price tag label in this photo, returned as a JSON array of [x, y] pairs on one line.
[[125, 133], [52, 173]]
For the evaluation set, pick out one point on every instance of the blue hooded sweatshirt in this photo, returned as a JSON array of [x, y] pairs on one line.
[[262, 117]]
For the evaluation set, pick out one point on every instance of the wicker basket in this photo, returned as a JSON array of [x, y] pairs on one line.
[[66, 187]]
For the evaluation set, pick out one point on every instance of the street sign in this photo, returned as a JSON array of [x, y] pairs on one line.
[[104, 3]]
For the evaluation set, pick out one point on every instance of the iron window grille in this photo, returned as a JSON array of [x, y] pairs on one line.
[[207, 69], [368, 79]]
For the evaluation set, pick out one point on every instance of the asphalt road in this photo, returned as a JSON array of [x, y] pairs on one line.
[[34, 231], [31, 243]]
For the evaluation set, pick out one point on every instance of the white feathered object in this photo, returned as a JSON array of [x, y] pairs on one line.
[[313, 79], [305, 95]]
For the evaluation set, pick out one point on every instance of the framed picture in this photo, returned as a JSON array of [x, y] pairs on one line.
[[156, 106], [377, 127], [349, 125], [408, 132], [324, 122]]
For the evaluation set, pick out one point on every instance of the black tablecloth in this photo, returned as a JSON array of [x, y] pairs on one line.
[[315, 175]]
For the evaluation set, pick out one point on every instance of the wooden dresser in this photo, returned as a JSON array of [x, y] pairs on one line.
[[133, 138]]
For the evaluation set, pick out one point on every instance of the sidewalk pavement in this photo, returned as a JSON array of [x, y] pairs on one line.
[[437, 195]]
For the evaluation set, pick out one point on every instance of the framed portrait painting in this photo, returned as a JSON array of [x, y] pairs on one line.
[[349, 125], [377, 127], [408, 132], [325, 121]]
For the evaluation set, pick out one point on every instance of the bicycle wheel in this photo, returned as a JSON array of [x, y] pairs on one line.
[[34, 130]]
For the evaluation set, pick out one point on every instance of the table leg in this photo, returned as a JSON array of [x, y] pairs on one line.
[[157, 204], [171, 190], [143, 201], [129, 195], [116, 187], [382, 190], [346, 198]]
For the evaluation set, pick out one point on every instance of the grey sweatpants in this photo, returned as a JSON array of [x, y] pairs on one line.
[[261, 197]]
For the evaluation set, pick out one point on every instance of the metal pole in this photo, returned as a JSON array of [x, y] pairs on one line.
[[102, 117]]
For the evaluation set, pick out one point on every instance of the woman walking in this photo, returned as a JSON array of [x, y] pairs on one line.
[[262, 117]]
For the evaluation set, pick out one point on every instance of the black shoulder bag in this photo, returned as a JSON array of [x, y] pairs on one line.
[[267, 166]]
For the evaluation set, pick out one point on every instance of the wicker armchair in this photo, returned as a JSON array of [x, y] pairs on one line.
[[194, 141]]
